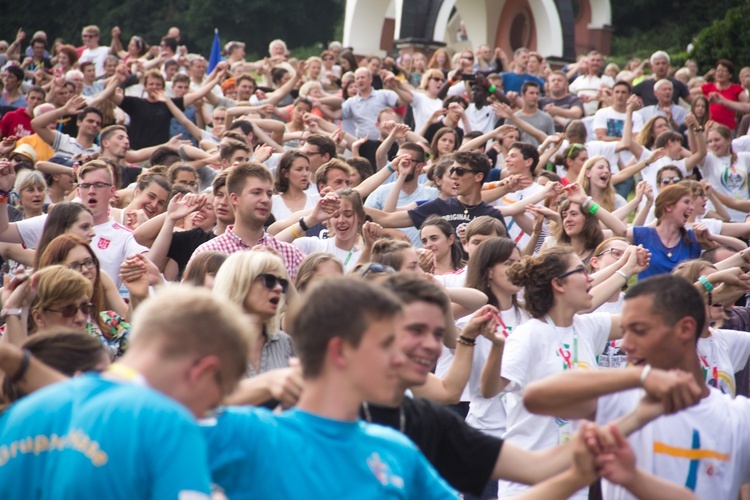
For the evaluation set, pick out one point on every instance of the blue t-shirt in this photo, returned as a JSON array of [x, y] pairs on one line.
[[514, 82], [94, 438], [255, 454], [664, 259]]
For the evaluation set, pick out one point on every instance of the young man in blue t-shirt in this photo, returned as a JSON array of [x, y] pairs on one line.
[[344, 335], [130, 432]]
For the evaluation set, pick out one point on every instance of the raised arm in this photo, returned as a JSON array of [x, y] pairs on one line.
[[504, 111], [180, 206], [41, 123], [205, 89], [403, 89], [277, 95], [577, 195], [367, 186]]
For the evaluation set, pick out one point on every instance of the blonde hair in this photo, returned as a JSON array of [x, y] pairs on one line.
[[241, 269], [29, 178], [430, 73], [608, 196], [58, 284]]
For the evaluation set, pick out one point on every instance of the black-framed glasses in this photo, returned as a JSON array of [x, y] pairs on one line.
[[438, 79], [616, 252], [70, 311], [580, 269], [271, 280], [97, 185], [670, 180], [460, 171], [78, 266]]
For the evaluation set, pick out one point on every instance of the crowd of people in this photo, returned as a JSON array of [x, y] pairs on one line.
[[462, 275]]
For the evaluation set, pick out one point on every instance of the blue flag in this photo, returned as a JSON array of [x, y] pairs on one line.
[[215, 57]]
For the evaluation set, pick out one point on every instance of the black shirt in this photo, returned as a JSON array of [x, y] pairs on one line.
[[149, 121], [645, 90], [453, 211], [370, 147], [184, 244], [128, 175], [462, 455]]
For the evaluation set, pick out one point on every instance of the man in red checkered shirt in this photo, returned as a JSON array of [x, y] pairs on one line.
[[250, 188]]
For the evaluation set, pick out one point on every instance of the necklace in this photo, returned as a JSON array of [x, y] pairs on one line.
[[468, 207], [401, 416]]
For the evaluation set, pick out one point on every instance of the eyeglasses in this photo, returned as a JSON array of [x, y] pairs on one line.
[[88, 36], [78, 266], [70, 311], [616, 252], [460, 171], [97, 185], [270, 281], [313, 153], [328, 58], [468, 58], [580, 269], [670, 180], [438, 79]]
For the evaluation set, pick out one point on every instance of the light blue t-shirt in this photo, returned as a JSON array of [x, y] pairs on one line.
[[94, 438], [255, 454], [422, 193]]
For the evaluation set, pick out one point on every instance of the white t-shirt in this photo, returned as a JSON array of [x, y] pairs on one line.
[[705, 447], [488, 415], [741, 144], [97, 56], [423, 107], [456, 279], [280, 211], [729, 179], [613, 121], [514, 230], [111, 245], [311, 244], [538, 349], [723, 354], [597, 148], [587, 85], [482, 120]]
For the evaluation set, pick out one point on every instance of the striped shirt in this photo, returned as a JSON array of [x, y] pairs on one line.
[[275, 354]]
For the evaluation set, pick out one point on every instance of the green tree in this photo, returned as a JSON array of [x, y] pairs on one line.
[[725, 39], [256, 23]]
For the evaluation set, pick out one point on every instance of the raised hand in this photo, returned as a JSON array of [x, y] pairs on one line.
[[7, 175], [575, 193], [484, 322], [371, 232], [675, 389], [180, 206], [427, 260], [262, 153]]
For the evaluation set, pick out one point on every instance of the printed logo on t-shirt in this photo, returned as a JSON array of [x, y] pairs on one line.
[[703, 461], [103, 243], [614, 127], [382, 472], [734, 180]]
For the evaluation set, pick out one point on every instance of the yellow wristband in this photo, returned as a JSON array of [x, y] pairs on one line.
[[295, 233]]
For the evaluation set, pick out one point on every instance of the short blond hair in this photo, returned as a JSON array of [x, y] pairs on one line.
[[188, 321]]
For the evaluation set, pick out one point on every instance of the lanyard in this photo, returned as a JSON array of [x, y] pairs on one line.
[[569, 363], [710, 364]]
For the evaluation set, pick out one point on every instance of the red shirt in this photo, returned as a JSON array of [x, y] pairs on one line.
[[16, 123], [722, 114]]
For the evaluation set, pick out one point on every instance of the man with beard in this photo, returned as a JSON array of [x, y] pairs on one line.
[[412, 191]]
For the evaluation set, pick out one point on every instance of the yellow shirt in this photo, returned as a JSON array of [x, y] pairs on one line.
[[43, 150]]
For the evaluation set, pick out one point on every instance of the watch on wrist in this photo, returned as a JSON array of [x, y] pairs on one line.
[[11, 311]]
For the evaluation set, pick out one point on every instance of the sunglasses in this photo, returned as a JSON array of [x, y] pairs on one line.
[[375, 268], [573, 271], [438, 79], [670, 180], [460, 171], [270, 281], [574, 148], [70, 311]]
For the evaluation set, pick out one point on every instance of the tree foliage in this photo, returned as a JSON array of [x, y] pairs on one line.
[[725, 39], [256, 22], [643, 26]]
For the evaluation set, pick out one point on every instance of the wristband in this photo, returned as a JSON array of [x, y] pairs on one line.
[[699, 129], [23, 368], [390, 167], [593, 208], [706, 284], [466, 340], [294, 233], [586, 203], [492, 89], [644, 374], [622, 274], [451, 81], [303, 225]]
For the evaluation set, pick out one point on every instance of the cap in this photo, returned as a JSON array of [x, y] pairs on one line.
[[25, 150], [228, 84]]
